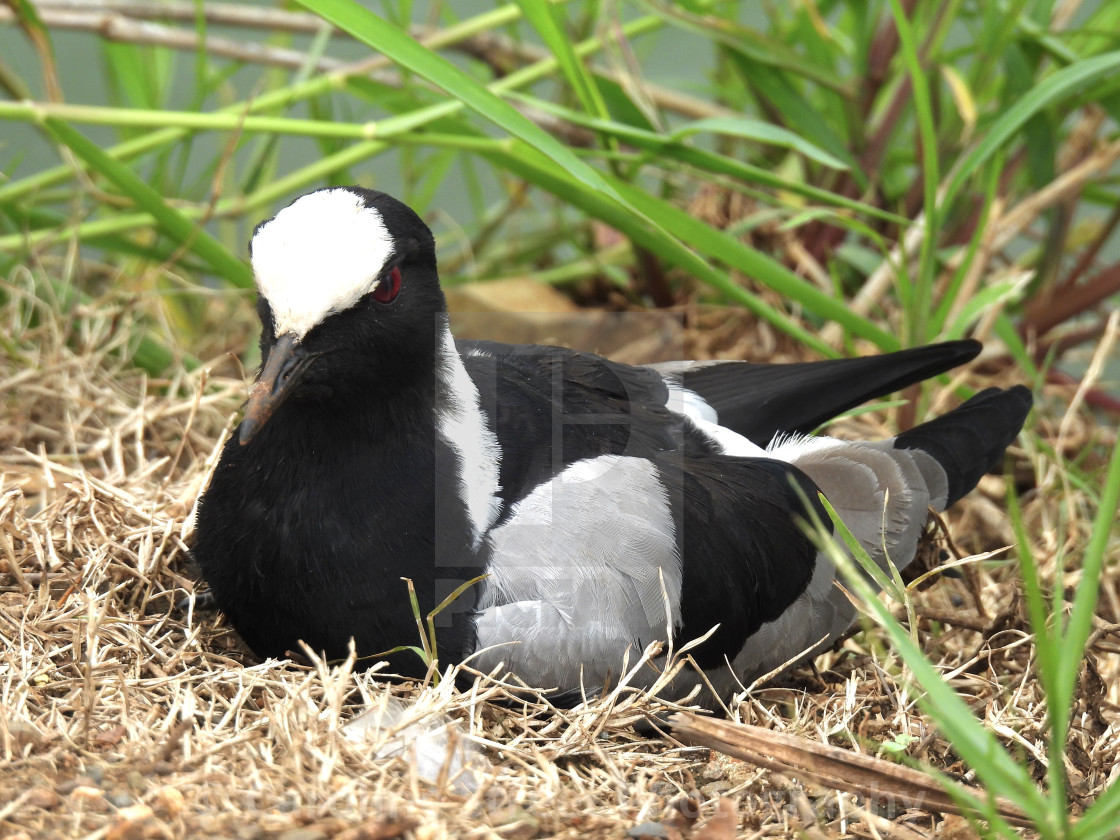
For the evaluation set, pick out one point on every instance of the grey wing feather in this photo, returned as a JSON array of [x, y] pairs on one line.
[[882, 494], [579, 573]]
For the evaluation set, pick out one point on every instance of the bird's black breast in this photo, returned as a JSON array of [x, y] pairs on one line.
[[306, 534]]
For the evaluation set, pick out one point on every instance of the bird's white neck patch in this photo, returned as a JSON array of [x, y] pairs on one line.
[[461, 423], [318, 256]]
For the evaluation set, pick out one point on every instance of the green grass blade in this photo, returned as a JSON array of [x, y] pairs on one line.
[[997, 294], [1048, 648], [762, 47], [178, 226], [761, 132], [1084, 603], [717, 244], [383, 36], [1007, 333], [951, 293], [1100, 820], [710, 161], [921, 296], [536, 169], [282, 98], [273, 190], [797, 112], [542, 15], [1064, 83], [999, 772]]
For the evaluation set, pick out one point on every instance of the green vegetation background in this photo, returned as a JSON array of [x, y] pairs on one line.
[[859, 175]]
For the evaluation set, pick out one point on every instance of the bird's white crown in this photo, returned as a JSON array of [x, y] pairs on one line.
[[318, 256]]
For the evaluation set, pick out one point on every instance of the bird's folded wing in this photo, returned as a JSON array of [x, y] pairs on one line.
[[586, 566], [619, 551], [760, 400], [550, 407]]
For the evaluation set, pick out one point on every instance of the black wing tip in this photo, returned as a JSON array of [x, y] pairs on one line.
[[1014, 404], [971, 439], [964, 349], [941, 356], [758, 400]]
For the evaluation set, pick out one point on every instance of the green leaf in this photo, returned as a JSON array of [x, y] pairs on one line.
[[535, 168], [176, 225], [386, 38], [998, 771], [795, 110], [620, 107], [710, 161], [281, 98], [951, 293], [996, 294], [1065, 82], [1085, 600], [763, 132], [715, 243], [542, 15]]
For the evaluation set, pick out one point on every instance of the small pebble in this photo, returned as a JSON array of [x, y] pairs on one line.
[[129, 824], [170, 800], [717, 788], [43, 797], [87, 796], [647, 829], [712, 772], [120, 799], [68, 787]]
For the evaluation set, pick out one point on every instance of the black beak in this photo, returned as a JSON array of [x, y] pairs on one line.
[[287, 362]]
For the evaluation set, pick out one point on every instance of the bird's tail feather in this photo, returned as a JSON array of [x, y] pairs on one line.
[[970, 440]]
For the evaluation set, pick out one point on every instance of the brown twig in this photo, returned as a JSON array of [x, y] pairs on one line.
[[230, 14], [114, 26], [828, 766]]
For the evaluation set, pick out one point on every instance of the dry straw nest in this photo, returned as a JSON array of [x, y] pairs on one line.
[[125, 715]]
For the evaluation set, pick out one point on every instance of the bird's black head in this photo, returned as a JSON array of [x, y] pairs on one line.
[[349, 301]]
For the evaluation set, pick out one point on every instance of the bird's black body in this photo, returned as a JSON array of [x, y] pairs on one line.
[[374, 449], [321, 538]]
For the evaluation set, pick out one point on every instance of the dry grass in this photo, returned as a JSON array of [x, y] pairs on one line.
[[125, 716]]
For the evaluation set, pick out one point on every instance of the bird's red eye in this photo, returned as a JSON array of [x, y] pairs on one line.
[[388, 289]]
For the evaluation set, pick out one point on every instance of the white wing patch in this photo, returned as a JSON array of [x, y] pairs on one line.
[[689, 403], [729, 442], [460, 423], [576, 574], [705, 418], [318, 256]]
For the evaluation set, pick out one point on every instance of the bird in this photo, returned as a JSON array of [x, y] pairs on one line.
[[594, 506]]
